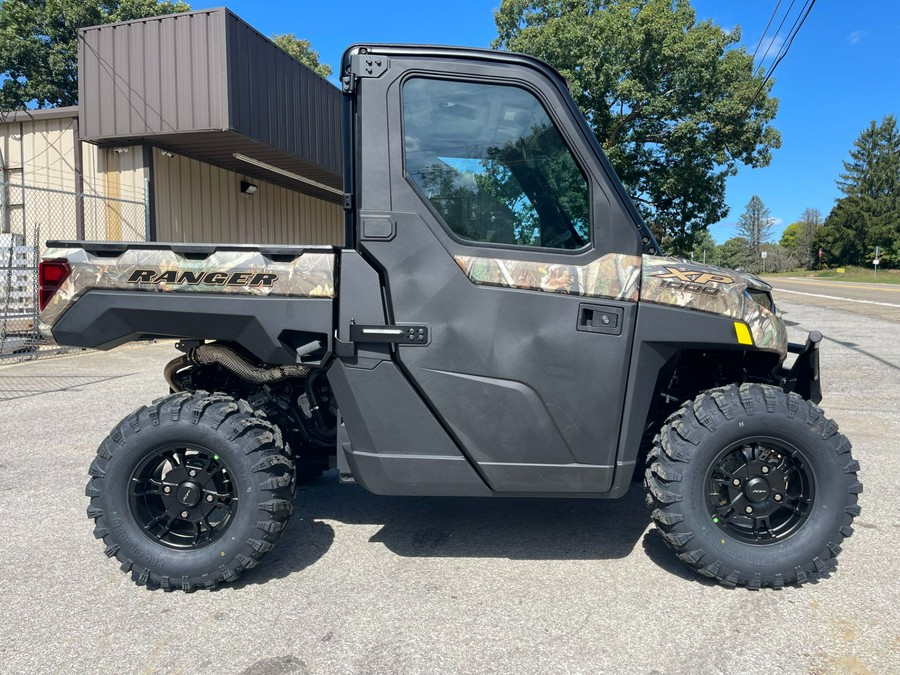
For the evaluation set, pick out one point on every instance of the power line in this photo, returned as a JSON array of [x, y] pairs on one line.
[[777, 31], [785, 48], [798, 24], [763, 37]]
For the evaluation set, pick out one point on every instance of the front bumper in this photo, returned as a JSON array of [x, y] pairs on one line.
[[803, 377]]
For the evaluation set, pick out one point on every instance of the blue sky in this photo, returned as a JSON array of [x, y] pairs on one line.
[[842, 71]]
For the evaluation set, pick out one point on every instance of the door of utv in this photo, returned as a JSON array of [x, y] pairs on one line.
[[495, 228]]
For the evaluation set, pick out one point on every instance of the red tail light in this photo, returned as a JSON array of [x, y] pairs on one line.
[[52, 274]]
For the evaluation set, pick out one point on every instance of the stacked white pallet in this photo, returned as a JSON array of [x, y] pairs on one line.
[[18, 276]]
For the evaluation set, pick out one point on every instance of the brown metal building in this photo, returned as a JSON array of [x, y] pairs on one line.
[[191, 127]]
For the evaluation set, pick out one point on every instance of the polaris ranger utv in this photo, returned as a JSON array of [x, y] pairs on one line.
[[499, 323]]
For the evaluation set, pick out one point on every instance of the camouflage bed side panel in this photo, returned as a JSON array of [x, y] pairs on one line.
[[669, 281], [615, 276], [310, 274]]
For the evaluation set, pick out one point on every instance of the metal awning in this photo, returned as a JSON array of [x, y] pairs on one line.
[[209, 86]]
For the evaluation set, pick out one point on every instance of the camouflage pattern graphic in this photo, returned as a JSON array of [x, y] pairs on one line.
[[669, 281], [613, 276], [310, 274], [768, 329]]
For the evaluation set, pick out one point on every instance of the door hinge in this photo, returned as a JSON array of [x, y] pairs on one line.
[[368, 65], [363, 65]]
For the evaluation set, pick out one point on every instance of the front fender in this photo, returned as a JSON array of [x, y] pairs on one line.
[[715, 290], [661, 332]]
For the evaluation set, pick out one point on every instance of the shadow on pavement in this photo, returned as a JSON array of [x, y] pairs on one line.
[[854, 346], [664, 557], [511, 528], [303, 544], [658, 552]]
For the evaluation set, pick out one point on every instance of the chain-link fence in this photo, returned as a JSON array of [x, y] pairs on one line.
[[29, 217]]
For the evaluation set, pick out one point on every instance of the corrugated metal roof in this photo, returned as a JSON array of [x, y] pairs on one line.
[[206, 84], [65, 112]]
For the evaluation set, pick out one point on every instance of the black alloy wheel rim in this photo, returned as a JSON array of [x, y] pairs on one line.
[[182, 497], [760, 490]]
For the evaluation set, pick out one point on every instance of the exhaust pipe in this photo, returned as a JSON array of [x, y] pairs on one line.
[[210, 354], [171, 370], [229, 359]]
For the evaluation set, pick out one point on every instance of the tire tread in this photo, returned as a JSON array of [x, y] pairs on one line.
[[235, 420], [675, 445]]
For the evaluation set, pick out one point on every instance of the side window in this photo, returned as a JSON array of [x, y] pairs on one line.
[[494, 166]]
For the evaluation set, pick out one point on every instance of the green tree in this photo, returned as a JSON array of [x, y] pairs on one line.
[[842, 237], [874, 167], [733, 253], [868, 214], [806, 252], [676, 106], [755, 227], [705, 248], [303, 52], [799, 238], [39, 50], [790, 238]]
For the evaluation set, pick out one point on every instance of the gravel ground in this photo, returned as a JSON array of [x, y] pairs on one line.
[[369, 584]]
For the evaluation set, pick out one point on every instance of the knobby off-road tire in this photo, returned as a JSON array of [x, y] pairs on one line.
[[799, 483], [232, 459]]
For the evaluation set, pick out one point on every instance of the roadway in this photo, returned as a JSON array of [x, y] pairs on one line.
[[879, 301]]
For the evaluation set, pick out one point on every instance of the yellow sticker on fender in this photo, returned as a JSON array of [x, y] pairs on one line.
[[742, 333]]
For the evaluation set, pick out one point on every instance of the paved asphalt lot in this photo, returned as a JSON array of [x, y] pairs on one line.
[[370, 584]]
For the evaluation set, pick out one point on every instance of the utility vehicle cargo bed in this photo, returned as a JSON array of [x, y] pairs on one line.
[[111, 282]]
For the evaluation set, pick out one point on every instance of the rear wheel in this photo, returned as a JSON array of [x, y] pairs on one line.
[[752, 486], [190, 491]]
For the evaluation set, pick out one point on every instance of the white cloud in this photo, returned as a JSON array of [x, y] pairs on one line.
[[769, 46], [856, 37], [777, 221]]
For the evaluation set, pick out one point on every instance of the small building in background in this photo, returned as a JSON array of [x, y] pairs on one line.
[[54, 185], [190, 127]]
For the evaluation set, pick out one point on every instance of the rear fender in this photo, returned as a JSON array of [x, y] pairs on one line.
[[276, 330]]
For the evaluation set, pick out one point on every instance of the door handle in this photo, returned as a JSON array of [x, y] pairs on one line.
[[411, 336], [600, 319]]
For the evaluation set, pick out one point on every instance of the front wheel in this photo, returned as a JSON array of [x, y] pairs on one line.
[[190, 491], [752, 486]]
